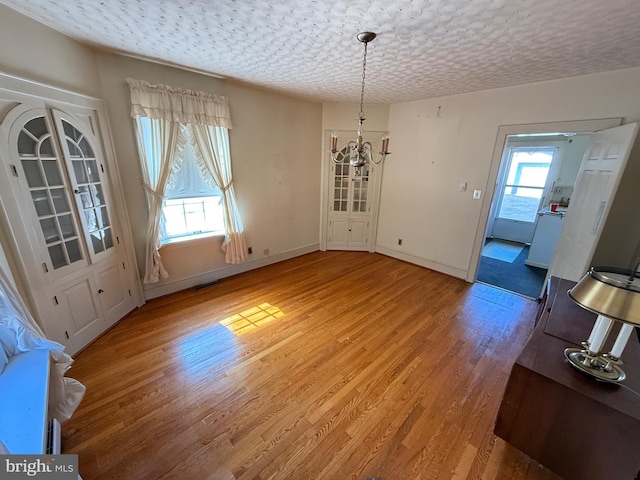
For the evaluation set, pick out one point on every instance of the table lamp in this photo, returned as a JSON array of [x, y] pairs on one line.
[[613, 294]]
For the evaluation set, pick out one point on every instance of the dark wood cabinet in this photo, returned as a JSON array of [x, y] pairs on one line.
[[571, 423]]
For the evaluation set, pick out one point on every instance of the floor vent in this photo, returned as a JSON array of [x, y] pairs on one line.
[[205, 285]]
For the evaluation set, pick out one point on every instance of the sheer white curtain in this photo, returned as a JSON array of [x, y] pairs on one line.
[[211, 145], [19, 333], [203, 112], [160, 143]]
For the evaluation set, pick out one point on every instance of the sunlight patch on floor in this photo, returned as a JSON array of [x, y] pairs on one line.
[[252, 318]]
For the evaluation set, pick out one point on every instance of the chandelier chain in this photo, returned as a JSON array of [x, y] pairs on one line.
[[364, 66]]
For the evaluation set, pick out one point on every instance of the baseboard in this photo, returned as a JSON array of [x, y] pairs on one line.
[[171, 286], [438, 267]]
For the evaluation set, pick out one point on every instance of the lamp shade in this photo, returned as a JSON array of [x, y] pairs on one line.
[[612, 292]]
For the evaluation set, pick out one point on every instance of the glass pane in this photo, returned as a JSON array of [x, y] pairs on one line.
[[524, 185], [92, 168], [522, 205], [86, 148], [85, 197], [49, 230], [41, 202], [66, 226], [51, 172], [108, 239], [59, 200], [175, 219], [96, 242], [32, 172], [74, 151], [26, 145], [46, 148], [103, 217], [98, 195], [79, 171], [92, 221], [73, 250], [71, 131], [56, 253], [336, 206], [37, 127]]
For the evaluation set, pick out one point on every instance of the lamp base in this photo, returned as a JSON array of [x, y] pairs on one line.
[[602, 368]]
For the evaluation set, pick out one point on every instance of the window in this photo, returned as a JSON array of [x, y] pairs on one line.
[[525, 182], [193, 207]]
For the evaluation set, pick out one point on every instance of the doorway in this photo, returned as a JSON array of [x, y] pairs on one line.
[[504, 255]]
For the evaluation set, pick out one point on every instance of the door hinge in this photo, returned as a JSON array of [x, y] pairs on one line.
[[14, 170], [129, 292], [55, 299], [118, 239], [45, 268], [67, 334], [123, 267], [102, 168]]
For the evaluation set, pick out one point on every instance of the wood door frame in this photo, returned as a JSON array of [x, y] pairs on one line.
[[578, 126]]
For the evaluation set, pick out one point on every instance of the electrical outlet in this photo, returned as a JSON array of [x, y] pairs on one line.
[[557, 190], [399, 241], [477, 194], [250, 250], [462, 187]]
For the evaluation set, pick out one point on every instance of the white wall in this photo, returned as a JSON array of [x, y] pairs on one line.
[[274, 144], [432, 154]]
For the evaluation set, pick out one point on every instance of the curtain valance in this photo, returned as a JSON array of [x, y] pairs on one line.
[[178, 105]]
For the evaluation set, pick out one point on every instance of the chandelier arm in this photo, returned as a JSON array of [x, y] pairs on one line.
[[383, 155]]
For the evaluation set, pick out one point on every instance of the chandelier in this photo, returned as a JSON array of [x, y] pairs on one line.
[[360, 152]]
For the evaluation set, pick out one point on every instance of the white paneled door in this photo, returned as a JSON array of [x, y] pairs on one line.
[[352, 206], [597, 182]]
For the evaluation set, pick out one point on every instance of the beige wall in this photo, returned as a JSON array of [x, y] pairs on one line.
[[277, 144], [34, 51], [432, 154], [274, 145]]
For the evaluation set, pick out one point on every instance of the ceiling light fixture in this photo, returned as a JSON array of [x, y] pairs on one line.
[[361, 151]]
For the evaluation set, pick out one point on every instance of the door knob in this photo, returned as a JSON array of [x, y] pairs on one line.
[[101, 291]]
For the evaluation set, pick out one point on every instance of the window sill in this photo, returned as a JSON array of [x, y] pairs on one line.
[[190, 240]]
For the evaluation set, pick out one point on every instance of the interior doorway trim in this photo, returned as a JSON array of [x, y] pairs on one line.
[[577, 126]]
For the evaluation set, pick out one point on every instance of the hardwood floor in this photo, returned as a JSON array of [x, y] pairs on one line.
[[343, 365]]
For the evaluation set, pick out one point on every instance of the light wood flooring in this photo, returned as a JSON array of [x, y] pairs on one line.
[[333, 365]]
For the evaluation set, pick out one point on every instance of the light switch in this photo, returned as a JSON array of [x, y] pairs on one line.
[[477, 194]]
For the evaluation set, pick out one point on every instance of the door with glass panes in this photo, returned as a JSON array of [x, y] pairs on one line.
[[352, 191], [65, 199]]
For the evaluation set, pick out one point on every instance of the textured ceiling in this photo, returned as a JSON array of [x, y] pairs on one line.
[[308, 48]]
